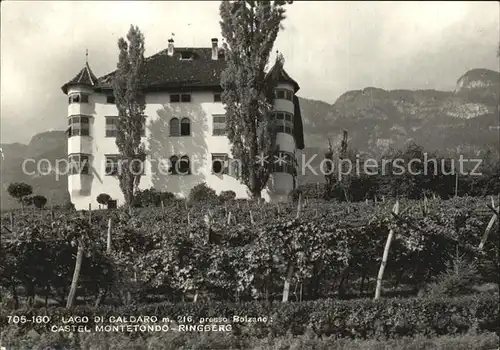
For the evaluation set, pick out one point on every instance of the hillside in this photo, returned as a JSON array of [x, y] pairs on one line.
[[50, 145], [461, 121], [466, 118]]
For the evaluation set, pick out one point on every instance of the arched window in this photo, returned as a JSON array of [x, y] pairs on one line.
[[184, 166], [185, 127], [174, 127], [173, 165]]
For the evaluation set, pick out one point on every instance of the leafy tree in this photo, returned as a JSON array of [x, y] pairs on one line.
[[130, 102], [250, 29], [39, 201], [28, 200], [202, 192], [426, 175], [19, 190], [227, 195], [103, 198], [457, 279]]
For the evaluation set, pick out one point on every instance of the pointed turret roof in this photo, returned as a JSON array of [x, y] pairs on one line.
[[84, 77], [278, 73]]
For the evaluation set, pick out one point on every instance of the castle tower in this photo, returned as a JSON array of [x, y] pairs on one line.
[[283, 178], [81, 112]]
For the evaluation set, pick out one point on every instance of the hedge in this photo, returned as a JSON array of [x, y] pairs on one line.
[[211, 341], [357, 319]]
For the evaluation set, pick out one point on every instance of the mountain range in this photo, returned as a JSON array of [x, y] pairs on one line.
[[463, 121]]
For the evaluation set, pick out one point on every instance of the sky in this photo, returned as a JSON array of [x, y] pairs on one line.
[[329, 47]]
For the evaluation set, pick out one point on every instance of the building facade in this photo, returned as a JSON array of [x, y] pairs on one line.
[[184, 134]]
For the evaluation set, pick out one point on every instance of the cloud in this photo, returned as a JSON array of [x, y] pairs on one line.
[[330, 47]]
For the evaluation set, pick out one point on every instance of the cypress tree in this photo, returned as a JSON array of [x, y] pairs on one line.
[[130, 101], [250, 29]]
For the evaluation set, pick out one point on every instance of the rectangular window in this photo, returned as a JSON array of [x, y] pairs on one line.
[[112, 164], [78, 97], [111, 126], [110, 99], [280, 93], [79, 163], [217, 98], [219, 124], [219, 163], [284, 94], [78, 126], [174, 98], [74, 98], [284, 163], [284, 122]]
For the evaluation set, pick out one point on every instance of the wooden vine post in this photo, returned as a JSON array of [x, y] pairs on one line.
[[76, 274], [299, 206], [108, 238], [90, 214], [289, 274], [380, 276], [491, 223]]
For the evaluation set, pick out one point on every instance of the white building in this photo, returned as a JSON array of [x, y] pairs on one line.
[[185, 121]]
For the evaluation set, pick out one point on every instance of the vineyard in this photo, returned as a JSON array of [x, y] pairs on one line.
[[299, 262]]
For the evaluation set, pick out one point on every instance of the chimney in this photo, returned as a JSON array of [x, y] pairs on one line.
[[170, 50], [224, 49], [215, 48]]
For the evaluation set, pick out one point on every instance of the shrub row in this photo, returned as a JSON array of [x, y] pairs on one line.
[[358, 319], [210, 341]]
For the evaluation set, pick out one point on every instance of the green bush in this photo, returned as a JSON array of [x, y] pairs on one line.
[[152, 198], [210, 341], [227, 195], [103, 198], [68, 206], [202, 192], [39, 201], [458, 278]]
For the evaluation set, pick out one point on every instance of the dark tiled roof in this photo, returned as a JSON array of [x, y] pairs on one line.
[[84, 77], [172, 72], [163, 72], [281, 75]]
